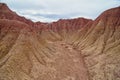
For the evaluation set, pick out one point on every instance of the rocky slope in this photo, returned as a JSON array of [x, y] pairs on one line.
[[100, 44], [70, 49], [6, 13]]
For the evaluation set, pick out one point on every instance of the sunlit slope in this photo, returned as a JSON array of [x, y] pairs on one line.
[[100, 44]]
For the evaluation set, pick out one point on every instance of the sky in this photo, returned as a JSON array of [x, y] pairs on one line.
[[53, 10]]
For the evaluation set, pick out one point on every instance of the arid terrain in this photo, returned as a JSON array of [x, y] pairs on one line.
[[69, 49]]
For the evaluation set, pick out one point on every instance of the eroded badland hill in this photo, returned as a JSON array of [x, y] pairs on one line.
[[69, 49]]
